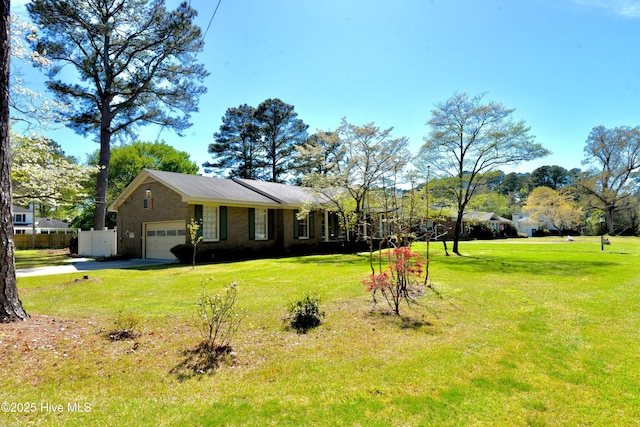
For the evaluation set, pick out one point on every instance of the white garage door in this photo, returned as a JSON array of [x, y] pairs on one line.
[[162, 236]]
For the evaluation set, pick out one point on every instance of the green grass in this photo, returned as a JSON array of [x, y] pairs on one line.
[[528, 332], [40, 258]]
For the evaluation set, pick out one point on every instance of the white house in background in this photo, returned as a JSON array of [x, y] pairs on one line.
[[22, 220], [23, 223], [527, 225]]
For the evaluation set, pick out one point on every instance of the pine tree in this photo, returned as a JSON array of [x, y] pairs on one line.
[[135, 62]]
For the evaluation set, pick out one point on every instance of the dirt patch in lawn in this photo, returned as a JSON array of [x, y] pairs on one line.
[[41, 332]]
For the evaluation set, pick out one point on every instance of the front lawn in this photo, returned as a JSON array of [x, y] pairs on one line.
[[41, 257], [527, 332]]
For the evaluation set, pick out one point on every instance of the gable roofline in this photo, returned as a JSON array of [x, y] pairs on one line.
[[122, 197], [484, 216], [257, 190], [197, 189]]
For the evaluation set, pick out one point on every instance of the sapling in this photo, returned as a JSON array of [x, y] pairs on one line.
[[218, 319], [194, 239]]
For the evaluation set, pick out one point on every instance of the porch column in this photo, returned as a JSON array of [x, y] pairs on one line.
[[326, 225]]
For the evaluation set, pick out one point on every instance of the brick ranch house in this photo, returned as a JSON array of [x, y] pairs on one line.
[[239, 218]]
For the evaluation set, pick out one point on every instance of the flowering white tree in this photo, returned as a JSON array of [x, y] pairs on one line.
[[42, 174], [367, 154], [30, 109]]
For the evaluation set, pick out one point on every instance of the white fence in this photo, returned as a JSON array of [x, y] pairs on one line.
[[98, 243]]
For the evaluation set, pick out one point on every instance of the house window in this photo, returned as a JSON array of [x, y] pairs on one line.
[[303, 226], [147, 203], [20, 218], [210, 223], [261, 224]]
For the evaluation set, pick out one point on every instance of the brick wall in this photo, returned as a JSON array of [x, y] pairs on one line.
[[168, 206], [238, 241]]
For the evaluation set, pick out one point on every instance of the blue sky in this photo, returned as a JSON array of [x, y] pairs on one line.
[[565, 66]]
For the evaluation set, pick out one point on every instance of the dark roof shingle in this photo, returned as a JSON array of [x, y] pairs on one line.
[[206, 189]]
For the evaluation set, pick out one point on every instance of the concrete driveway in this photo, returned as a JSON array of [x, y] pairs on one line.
[[79, 265]]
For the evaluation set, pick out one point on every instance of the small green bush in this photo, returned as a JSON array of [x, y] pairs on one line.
[[305, 314], [125, 327], [218, 318]]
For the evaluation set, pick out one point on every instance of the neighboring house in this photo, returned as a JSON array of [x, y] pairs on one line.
[[530, 227], [490, 219], [493, 221], [49, 226], [392, 223], [22, 220], [382, 225], [23, 223], [238, 217]]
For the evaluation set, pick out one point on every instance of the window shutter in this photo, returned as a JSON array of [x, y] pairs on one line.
[[252, 224], [271, 226], [295, 224], [312, 228], [198, 218], [223, 222]]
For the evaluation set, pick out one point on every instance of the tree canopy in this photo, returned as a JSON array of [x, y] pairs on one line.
[[258, 143], [321, 153], [280, 131], [135, 64], [126, 163], [614, 155], [41, 173], [236, 150], [546, 204], [469, 139], [368, 154], [128, 160], [554, 177], [30, 110]]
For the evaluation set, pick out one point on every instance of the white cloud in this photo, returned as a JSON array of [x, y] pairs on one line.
[[631, 10], [626, 8]]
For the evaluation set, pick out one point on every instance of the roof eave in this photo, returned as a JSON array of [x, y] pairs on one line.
[[229, 202]]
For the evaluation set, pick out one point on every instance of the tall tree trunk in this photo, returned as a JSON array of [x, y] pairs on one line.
[[102, 184], [456, 232], [608, 214], [10, 305]]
